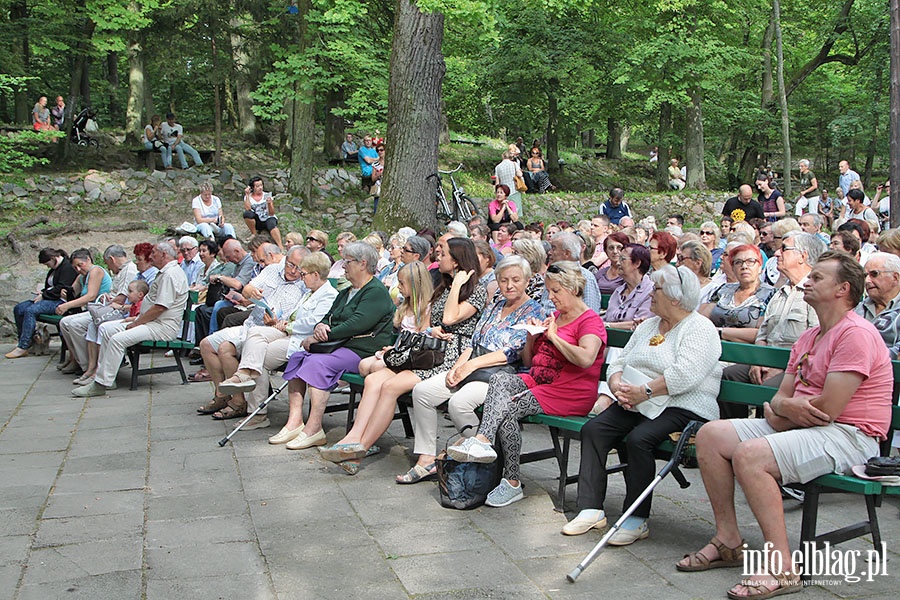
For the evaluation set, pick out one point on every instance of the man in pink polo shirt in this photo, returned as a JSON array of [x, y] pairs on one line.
[[832, 409]]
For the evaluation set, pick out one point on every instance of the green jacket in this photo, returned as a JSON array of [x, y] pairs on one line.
[[370, 310]]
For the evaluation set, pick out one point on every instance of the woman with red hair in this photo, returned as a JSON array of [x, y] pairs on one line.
[[736, 309], [662, 249]]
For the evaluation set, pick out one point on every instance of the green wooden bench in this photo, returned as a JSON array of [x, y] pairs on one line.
[[54, 320], [179, 346]]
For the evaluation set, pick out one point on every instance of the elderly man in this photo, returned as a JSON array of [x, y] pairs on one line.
[[812, 223], [280, 289], [566, 246], [615, 208], [744, 206], [787, 316], [191, 265], [847, 177], [831, 410], [161, 315], [881, 306], [79, 329]]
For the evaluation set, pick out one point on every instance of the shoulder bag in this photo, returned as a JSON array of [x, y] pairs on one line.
[[484, 374], [415, 351]]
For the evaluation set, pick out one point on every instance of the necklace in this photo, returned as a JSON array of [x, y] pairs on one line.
[[657, 339]]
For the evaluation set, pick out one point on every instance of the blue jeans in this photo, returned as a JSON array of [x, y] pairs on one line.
[[164, 150], [214, 322], [183, 147], [26, 314], [208, 230]]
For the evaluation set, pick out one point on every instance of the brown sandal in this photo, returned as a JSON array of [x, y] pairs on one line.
[[728, 557], [787, 583], [231, 412], [214, 405]]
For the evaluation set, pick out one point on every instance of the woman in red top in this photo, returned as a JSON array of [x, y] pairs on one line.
[[565, 362]]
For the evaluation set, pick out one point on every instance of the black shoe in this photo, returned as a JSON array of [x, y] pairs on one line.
[[197, 361]]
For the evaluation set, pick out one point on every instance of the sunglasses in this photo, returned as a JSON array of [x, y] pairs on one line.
[[873, 273], [707, 233]]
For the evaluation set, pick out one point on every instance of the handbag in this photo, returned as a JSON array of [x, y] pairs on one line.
[[332, 345], [880, 466], [520, 184], [415, 351], [464, 486], [484, 374], [101, 313]]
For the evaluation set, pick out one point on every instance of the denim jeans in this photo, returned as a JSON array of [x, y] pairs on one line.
[[183, 147], [26, 314], [208, 230], [164, 150]]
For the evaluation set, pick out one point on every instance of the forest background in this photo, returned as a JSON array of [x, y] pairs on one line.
[[724, 86]]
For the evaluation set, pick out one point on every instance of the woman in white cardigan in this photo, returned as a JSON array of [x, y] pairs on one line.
[[672, 363]]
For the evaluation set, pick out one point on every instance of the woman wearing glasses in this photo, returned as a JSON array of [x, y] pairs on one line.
[[737, 308], [673, 365], [709, 236]]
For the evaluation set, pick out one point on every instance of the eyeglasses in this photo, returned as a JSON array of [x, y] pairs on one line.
[[873, 273], [304, 273], [740, 262], [185, 250], [777, 237], [707, 233], [654, 248], [786, 248], [350, 260], [289, 265], [555, 269], [409, 250]]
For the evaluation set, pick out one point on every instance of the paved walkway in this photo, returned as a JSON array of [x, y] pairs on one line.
[[129, 496]]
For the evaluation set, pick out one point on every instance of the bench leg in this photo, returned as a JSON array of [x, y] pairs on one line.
[[808, 522], [562, 461], [135, 356], [404, 417], [871, 503], [351, 407], [177, 355]]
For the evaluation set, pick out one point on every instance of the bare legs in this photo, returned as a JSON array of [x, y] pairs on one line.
[[377, 405]]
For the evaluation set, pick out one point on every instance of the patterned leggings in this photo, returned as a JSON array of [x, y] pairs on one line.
[[501, 417]]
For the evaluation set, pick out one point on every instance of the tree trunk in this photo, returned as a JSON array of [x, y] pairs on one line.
[[303, 123], [782, 100], [414, 110], [551, 156], [242, 81], [665, 138], [768, 86], [134, 120], [18, 17], [873, 141], [613, 138], [112, 76], [694, 146], [86, 80], [334, 125]]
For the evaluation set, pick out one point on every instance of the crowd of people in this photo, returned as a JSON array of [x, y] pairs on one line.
[[516, 311]]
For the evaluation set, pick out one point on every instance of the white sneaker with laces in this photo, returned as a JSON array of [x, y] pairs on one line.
[[472, 450], [504, 494]]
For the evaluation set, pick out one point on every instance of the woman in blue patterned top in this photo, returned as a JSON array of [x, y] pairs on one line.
[[494, 344]]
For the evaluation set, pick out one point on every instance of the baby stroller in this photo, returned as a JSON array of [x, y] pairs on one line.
[[83, 123]]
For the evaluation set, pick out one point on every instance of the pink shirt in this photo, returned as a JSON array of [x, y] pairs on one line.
[[852, 345], [494, 206], [561, 387]]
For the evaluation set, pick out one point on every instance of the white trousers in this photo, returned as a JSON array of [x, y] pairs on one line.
[[115, 340], [431, 393], [74, 329], [264, 348], [813, 204]]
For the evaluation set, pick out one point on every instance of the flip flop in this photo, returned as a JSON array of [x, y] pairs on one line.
[[341, 452], [417, 473], [199, 377]]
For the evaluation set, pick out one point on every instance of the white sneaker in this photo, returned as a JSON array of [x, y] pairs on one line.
[[472, 450], [504, 494]]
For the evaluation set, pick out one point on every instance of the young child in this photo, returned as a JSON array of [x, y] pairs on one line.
[[416, 287], [137, 289]]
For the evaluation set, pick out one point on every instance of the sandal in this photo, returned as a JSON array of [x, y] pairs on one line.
[[341, 452], [214, 405], [237, 384], [351, 467], [418, 473], [786, 583], [200, 376], [231, 412], [728, 557]]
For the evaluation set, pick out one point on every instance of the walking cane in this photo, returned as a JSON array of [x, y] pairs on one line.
[[261, 406], [686, 435]]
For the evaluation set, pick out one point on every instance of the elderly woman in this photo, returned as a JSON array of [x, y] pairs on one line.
[[259, 210], [208, 214], [564, 367], [696, 257], [267, 347], [337, 269], [709, 236], [92, 281], [610, 277], [736, 309], [663, 246], [317, 241], [361, 315], [456, 305], [495, 345], [532, 250], [631, 300], [60, 277], [672, 363], [889, 241]]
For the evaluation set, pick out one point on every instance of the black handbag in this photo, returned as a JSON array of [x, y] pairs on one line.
[[880, 466], [484, 374], [332, 345], [464, 486], [415, 351]]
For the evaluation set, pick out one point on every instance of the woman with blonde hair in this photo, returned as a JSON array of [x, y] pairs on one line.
[[533, 251], [889, 241], [415, 286]]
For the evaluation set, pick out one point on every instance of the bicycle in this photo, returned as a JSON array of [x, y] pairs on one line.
[[462, 209]]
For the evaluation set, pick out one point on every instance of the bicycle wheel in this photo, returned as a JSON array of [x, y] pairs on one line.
[[468, 208], [442, 211]]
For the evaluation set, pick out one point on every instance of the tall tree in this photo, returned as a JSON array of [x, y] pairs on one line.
[[414, 109]]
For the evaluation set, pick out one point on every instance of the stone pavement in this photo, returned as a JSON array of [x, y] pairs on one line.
[[129, 496]]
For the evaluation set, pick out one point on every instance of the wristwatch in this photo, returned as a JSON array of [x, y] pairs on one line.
[[648, 391]]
